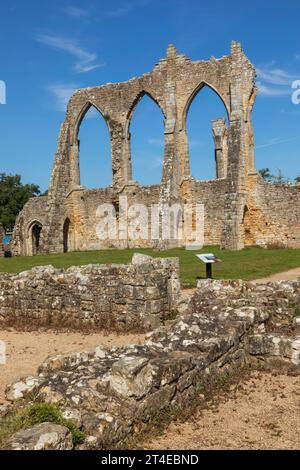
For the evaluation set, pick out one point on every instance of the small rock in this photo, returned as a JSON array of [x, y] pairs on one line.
[[44, 436]]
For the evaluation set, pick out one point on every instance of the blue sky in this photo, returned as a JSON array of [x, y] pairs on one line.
[[48, 49]]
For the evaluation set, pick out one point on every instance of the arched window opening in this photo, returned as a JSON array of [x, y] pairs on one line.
[[66, 235], [207, 124], [36, 229], [94, 150], [147, 141]]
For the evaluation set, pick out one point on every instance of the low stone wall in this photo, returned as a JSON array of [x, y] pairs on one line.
[[113, 394], [120, 297], [1, 241]]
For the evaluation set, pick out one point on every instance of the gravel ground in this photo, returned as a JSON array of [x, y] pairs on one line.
[[25, 351], [262, 412]]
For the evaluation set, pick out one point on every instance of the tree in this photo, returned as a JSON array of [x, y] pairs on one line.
[[13, 197], [297, 179], [265, 174]]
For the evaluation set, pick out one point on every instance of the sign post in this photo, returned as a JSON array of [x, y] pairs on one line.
[[208, 259]]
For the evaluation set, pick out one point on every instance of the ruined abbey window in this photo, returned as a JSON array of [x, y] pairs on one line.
[[206, 117], [147, 142], [94, 151]]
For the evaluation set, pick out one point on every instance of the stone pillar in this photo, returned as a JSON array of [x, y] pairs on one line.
[[120, 149], [235, 199], [171, 173], [74, 164], [221, 151]]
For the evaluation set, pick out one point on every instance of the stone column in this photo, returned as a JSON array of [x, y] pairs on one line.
[[235, 199], [220, 139]]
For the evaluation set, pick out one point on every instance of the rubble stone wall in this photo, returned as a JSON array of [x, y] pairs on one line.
[[120, 297], [113, 394]]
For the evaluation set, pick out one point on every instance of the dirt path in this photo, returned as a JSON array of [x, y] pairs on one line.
[[25, 351], [261, 413], [291, 275]]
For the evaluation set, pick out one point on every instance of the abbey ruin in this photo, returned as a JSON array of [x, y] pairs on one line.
[[241, 209]]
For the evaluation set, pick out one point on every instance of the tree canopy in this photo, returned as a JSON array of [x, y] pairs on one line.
[[277, 179], [13, 196]]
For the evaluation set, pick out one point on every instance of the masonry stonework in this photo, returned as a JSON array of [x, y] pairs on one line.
[[240, 208], [137, 296]]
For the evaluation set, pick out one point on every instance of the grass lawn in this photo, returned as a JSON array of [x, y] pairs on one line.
[[247, 264]]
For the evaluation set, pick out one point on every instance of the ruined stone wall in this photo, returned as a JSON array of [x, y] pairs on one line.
[[1, 241], [35, 210], [114, 394], [119, 297], [172, 84], [272, 214]]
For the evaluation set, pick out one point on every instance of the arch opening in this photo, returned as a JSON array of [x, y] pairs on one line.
[[146, 137], [66, 235], [35, 236], [92, 138], [206, 124]]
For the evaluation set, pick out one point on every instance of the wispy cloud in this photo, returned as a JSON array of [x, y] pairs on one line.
[[158, 142], [85, 59], [275, 141], [118, 12], [274, 82], [62, 93], [75, 12]]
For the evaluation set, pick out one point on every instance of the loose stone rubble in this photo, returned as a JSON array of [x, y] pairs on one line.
[[114, 393], [44, 436]]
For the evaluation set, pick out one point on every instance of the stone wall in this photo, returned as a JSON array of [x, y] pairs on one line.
[[113, 394], [120, 297], [239, 208], [1, 241]]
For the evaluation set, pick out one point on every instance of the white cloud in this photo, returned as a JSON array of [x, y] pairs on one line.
[[85, 59], [118, 12], [266, 90], [62, 94], [275, 141], [75, 12], [274, 82]]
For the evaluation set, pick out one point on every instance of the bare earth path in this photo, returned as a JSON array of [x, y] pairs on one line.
[[25, 351], [261, 413], [291, 275]]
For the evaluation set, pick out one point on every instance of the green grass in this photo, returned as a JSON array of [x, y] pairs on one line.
[[247, 264], [36, 413]]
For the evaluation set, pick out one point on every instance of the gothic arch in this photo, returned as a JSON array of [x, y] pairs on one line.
[[136, 101], [80, 117], [75, 142], [127, 136], [34, 229], [193, 95]]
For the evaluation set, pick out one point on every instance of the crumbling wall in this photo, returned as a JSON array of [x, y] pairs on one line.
[[119, 297], [1, 241], [239, 209], [273, 214], [113, 394]]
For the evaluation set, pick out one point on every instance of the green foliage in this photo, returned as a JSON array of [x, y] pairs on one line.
[[265, 174], [48, 413], [13, 197], [276, 179]]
